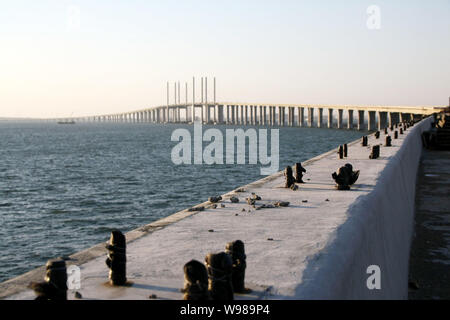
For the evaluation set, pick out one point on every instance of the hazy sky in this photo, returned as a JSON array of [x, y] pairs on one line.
[[59, 58]]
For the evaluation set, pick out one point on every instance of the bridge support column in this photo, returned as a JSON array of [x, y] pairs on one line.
[[264, 115], [350, 119], [360, 119], [382, 120], [260, 122], [310, 117], [330, 118], [371, 123], [270, 116], [339, 123], [320, 120], [301, 116]]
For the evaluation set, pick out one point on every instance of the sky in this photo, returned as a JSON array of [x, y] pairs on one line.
[[61, 58]]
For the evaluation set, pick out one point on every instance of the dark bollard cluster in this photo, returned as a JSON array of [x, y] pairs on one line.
[[345, 177], [290, 181], [220, 267], [395, 134], [341, 152], [236, 251], [299, 170], [195, 281], [345, 151], [117, 259], [364, 141], [222, 275], [388, 141], [375, 152], [54, 286], [377, 135]]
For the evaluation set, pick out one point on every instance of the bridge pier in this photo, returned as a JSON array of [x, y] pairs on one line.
[[382, 120], [371, 122], [320, 119], [339, 122], [310, 117], [360, 119], [350, 119], [301, 116], [330, 118]]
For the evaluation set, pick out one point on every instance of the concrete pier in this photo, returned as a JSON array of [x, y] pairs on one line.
[[319, 247]]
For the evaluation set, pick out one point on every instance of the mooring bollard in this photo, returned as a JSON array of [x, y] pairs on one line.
[[341, 152], [195, 281], [345, 177], [345, 150], [290, 181], [219, 266], [54, 286], [117, 259], [401, 131], [236, 250], [377, 134], [386, 130], [388, 141], [392, 128], [395, 134], [375, 152], [364, 141], [299, 172]]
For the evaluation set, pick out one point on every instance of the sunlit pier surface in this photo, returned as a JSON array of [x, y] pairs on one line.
[[279, 115], [318, 247]]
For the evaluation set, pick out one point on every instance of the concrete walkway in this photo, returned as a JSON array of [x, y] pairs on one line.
[[280, 242], [430, 252]]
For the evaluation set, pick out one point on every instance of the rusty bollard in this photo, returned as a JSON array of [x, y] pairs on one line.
[[345, 150], [195, 281], [377, 134], [345, 177], [220, 266], [341, 152], [117, 259], [299, 172], [236, 250], [388, 141], [364, 141], [290, 181], [54, 286], [375, 152]]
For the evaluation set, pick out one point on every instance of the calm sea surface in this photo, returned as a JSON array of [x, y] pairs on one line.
[[63, 188]]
